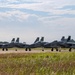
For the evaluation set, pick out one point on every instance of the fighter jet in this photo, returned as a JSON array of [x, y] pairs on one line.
[[58, 44], [34, 45], [8, 45], [37, 43]]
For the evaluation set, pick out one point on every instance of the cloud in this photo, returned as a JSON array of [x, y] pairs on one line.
[[14, 14], [48, 8], [68, 7]]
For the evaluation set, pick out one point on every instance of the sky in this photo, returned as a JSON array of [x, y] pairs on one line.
[[29, 19]]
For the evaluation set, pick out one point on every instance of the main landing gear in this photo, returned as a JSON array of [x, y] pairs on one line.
[[52, 49], [27, 49], [55, 48], [5, 49], [70, 49]]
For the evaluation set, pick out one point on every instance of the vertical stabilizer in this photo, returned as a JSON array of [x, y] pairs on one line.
[[42, 39], [17, 40], [13, 40], [37, 39], [69, 38], [63, 38]]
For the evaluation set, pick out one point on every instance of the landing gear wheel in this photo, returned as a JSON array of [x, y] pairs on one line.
[[70, 50], [15, 49], [52, 49], [56, 49], [42, 49], [26, 49], [3, 49], [6, 49], [29, 49]]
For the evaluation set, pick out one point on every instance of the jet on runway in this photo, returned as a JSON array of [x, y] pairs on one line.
[[38, 43], [63, 43], [8, 45]]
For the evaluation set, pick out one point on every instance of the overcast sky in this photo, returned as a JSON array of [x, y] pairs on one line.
[[29, 19]]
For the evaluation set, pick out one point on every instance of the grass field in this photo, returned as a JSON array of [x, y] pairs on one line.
[[62, 63]]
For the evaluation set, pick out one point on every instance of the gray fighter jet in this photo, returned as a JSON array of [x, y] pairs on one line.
[[37, 44], [8, 45], [58, 44]]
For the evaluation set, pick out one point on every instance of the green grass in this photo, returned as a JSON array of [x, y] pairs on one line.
[[62, 63]]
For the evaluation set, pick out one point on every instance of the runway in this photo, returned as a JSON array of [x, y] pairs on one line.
[[23, 51], [32, 51]]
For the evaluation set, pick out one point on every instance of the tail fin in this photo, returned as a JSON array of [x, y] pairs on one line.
[[13, 40], [42, 39], [69, 38], [17, 40], [63, 38], [37, 39]]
